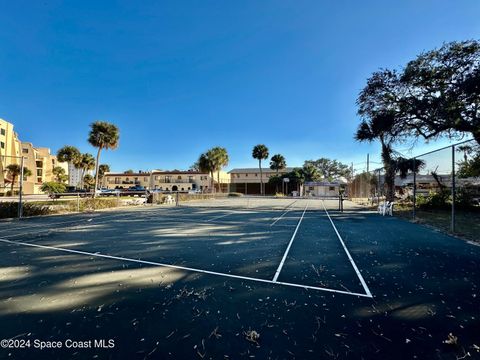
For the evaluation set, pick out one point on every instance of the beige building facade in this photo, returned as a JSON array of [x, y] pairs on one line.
[[247, 180], [36, 159], [174, 180]]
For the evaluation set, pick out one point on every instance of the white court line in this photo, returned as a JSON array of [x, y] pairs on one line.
[[182, 268], [277, 273], [287, 211], [221, 216], [360, 277]]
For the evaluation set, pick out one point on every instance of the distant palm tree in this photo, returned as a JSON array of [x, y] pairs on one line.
[[102, 169], [260, 152], [14, 171], [89, 181], [380, 128], [103, 135], [310, 172], [219, 158], [86, 163], [467, 149], [59, 173], [69, 154], [277, 162], [205, 164]]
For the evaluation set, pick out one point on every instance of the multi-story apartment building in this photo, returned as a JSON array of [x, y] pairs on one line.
[[75, 175], [166, 180], [247, 180], [38, 160]]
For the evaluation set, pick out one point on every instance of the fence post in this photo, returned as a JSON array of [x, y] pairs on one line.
[[453, 189], [414, 188]]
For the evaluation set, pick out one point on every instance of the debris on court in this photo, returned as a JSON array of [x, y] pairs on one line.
[[215, 334], [252, 336], [451, 340]]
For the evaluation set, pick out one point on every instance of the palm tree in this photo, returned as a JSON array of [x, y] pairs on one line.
[[59, 173], [102, 169], [205, 164], [89, 181], [86, 163], [277, 162], [69, 154], [15, 170], [310, 172], [260, 152], [103, 135], [380, 127], [219, 158]]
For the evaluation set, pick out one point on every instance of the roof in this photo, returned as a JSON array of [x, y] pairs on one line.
[[177, 172], [257, 170], [147, 173], [130, 174]]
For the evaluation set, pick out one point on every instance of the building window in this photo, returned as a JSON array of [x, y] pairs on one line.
[[238, 176], [39, 164], [2, 131], [2, 145], [190, 179], [311, 188], [256, 175], [331, 188], [179, 177], [39, 172], [25, 151], [246, 175], [53, 162], [168, 179]]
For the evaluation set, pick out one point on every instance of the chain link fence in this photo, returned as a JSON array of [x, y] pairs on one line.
[[443, 192]]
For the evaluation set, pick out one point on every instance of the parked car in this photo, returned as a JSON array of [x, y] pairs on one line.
[[108, 192], [136, 188]]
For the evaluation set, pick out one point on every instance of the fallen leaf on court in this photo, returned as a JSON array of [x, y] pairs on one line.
[[252, 336], [451, 340]]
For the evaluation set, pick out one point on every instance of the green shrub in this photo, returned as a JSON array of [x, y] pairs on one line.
[[235, 194], [434, 200], [52, 187], [10, 210]]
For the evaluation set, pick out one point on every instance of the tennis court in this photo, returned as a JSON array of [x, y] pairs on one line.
[[203, 279]]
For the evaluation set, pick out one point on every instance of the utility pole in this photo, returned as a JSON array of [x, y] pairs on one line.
[[368, 163]]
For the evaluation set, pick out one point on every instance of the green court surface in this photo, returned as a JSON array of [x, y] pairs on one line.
[[199, 280]]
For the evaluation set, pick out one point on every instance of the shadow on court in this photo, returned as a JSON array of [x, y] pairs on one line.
[[425, 286]]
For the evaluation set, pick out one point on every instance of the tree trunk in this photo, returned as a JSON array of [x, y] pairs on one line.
[[261, 178], [389, 172], [276, 184], [212, 183], [96, 172], [13, 184], [218, 181]]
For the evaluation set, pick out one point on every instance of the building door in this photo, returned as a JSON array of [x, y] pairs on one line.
[[174, 188]]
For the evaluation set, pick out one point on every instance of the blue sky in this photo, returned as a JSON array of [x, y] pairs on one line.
[[178, 77]]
